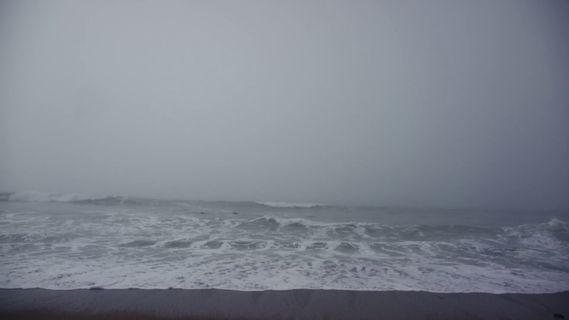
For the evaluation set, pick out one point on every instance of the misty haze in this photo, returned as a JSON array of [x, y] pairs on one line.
[[378, 146]]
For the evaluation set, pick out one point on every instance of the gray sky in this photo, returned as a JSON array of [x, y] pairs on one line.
[[413, 103]]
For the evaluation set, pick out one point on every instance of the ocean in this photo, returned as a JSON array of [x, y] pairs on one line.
[[67, 241]]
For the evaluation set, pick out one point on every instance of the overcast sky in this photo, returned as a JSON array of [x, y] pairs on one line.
[[409, 103]]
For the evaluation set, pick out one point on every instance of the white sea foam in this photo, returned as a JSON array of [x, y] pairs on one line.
[[65, 246]]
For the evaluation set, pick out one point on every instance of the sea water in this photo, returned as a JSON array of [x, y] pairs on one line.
[[72, 241]]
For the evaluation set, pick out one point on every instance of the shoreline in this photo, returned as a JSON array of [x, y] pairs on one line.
[[286, 304]]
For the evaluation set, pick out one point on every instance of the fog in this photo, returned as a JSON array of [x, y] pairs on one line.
[[400, 103]]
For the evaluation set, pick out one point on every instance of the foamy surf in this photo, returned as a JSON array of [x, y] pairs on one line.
[[68, 242]]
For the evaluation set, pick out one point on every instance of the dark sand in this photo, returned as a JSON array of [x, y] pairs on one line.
[[291, 304]]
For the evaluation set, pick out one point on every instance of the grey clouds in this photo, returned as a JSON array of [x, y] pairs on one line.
[[404, 103]]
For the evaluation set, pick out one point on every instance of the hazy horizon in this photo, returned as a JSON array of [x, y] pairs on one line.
[[439, 104]]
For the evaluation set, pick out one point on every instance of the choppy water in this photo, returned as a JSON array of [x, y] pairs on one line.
[[71, 241]]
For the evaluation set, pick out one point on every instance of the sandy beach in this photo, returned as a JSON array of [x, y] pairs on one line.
[[291, 304]]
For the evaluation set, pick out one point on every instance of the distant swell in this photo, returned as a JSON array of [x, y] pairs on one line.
[[274, 204], [33, 196]]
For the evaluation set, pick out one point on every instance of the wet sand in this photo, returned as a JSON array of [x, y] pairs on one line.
[[290, 304]]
